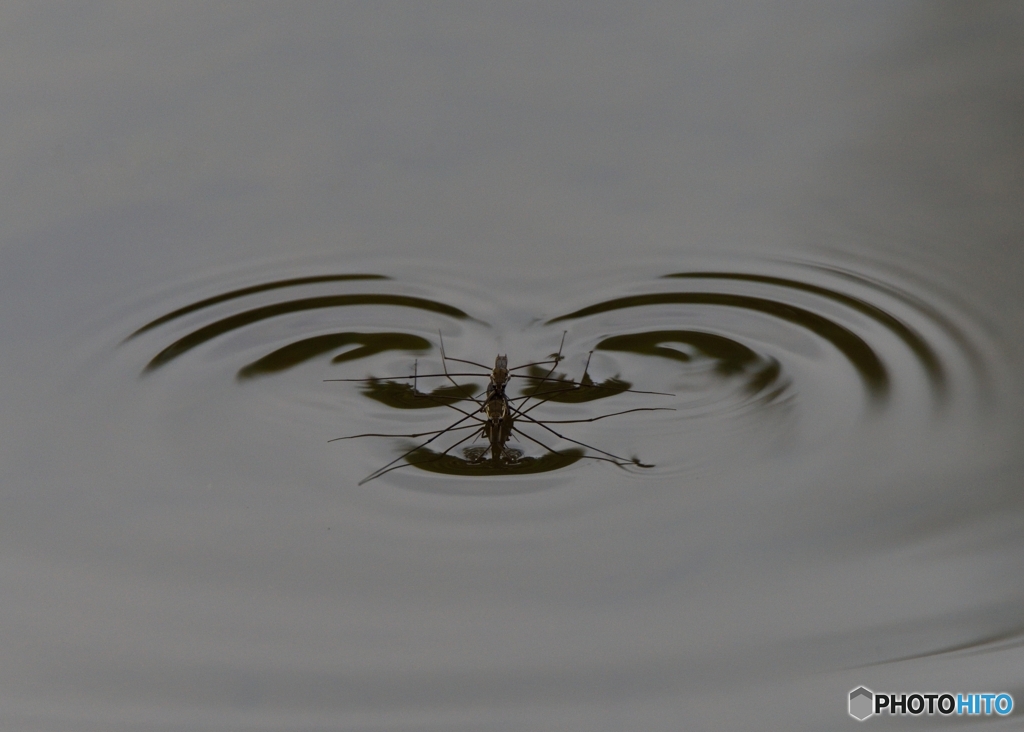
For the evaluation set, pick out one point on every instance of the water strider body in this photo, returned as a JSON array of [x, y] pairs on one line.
[[498, 427]]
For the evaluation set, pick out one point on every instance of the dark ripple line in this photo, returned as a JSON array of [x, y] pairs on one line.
[[436, 462], [731, 357], [248, 317], [295, 353], [998, 641], [917, 344], [966, 345], [859, 353], [234, 294]]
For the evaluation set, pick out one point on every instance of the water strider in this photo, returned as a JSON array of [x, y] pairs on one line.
[[496, 415]]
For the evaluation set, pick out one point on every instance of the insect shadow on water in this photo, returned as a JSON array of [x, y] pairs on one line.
[[497, 417]]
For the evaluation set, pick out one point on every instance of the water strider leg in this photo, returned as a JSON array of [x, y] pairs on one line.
[[577, 442]]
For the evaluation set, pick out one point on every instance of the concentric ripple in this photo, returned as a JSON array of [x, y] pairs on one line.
[[683, 369], [728, 352]]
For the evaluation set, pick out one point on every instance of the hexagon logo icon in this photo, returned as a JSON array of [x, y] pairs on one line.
[[861, 703]]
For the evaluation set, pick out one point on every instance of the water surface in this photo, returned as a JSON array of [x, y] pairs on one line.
[[778, 249]]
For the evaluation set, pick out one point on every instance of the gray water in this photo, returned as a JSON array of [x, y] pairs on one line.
[[798, 224]]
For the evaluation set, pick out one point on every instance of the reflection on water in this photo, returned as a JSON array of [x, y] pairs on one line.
[[824, 327], [252, 290], [728, 357], [295, 353], [406, 396], [477, 465], [855, 349], [240, 320], [558, 387]]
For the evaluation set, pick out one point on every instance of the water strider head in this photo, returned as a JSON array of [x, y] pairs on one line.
[[499, 376]]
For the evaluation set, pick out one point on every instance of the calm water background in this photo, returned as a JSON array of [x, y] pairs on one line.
[[181, 548]]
